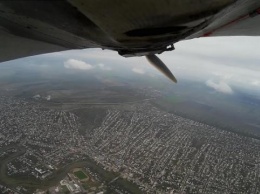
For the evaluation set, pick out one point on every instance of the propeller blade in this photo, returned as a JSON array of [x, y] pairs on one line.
[[156, 62]]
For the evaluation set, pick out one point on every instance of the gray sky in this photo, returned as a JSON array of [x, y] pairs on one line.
[[220, 63], [225, 61], [223, 64]]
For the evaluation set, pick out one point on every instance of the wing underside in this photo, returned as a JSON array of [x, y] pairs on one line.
[[133, 28]]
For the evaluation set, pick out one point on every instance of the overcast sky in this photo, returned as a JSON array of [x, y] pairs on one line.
[[221, 63]]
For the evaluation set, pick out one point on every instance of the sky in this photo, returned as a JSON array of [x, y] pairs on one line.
[[220, 63], [223, 64]]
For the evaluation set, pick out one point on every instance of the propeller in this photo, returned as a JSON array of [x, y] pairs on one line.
[[157, 63]]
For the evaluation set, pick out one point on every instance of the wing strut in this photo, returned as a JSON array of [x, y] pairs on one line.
[[157, 63]]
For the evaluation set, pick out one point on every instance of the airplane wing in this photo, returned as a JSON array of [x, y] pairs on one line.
[[130, 27]]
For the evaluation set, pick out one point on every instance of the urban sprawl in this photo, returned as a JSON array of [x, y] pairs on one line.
[[158, 151]]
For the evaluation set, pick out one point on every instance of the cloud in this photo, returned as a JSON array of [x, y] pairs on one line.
[[138, 70], [223, 75], [77, 64], [104, 67], [234, 60], [255, 83], [221, 55], [220, 87]]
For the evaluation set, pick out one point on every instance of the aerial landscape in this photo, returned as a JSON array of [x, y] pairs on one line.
[[70, 125]]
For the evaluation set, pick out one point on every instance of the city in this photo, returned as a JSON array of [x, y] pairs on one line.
[[137, 146]]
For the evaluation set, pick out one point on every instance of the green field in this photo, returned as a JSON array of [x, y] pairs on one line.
[[65, 189], [85, 186], [81, 175]]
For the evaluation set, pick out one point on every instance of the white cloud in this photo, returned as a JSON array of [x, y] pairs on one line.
[[234, 60], [77, 64], [220, 87], [104, 67], [223, 75], [138, 70], [255, 83]]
